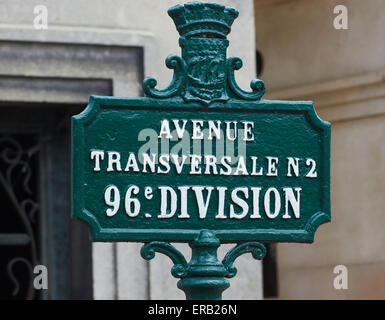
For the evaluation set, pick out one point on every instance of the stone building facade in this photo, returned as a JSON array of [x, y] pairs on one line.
[[342, 71]]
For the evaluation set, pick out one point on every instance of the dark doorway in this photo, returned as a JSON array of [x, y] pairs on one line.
[[36, 228], [270, 279]]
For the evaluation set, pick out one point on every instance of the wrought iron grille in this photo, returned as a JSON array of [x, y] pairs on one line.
[[19, 224]]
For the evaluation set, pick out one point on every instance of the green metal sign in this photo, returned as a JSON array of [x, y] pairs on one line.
[[202, 154], [270, 183]]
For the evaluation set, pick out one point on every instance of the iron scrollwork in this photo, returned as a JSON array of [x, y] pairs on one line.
[[16, 173], [257, 249], [176, 85], [204, 271], [179, 270]]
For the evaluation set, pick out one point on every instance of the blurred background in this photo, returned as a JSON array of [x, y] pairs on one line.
[[54, 54]]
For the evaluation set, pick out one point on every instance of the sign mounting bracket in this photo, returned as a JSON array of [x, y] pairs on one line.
[[203, 278]]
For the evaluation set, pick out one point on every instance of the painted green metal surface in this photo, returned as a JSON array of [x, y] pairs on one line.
[[201, 161], [282, 129], [203, 90], [203, 278]]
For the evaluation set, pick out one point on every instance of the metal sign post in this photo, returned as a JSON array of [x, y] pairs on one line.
[[201, 161]]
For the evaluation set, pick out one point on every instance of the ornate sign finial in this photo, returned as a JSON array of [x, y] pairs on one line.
[[203, 74], [196, 19]]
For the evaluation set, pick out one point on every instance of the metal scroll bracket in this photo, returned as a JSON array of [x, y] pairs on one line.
[[203, 278]]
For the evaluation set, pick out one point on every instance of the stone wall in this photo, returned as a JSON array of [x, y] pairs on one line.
[[343, 72]]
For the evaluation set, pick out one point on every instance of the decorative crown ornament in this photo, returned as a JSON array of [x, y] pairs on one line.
[[203, 74], [195, 19]]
